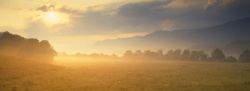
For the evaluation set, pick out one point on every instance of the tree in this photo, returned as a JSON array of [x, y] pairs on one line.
[[231, 59], [128, 54], [186, 55], [177, 54], [202, 55], [245, 56], [138, 53], [149, 54], [174, 55], [218, 55], [170, 54], [194, 55], [198, 56], [32, 49], [114, 55], [159, 53], [46, 50]]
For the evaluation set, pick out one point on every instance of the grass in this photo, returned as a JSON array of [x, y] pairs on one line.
[[124, 75]]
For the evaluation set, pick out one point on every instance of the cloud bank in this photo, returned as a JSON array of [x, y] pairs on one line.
[[104, 21]]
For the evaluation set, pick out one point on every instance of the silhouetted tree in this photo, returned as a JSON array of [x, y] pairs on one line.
[[198, 56], [128, 54], [231, 59], [186, 55], [170, 54], [94, 55], [15, 45], [174, 55], [149, 55], [177, 54], [114, 55], [218, 55], [202, 56], [245, 56], [159, 54], [138, 53], [194, 55]]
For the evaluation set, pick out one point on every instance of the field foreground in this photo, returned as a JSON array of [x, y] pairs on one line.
[[81, 75]]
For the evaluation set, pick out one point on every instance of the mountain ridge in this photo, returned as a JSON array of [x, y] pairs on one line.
[[219, 35]]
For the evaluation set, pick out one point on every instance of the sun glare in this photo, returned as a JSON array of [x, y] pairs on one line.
[[54, 18], [52, 15]]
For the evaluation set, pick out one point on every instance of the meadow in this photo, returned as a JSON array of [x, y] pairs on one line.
[[122, 75]]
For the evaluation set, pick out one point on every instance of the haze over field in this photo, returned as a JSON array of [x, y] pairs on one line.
[[131, 45]]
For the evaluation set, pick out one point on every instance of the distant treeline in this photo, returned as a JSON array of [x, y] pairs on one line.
[[92, 56], [178, 54], [17, 46]]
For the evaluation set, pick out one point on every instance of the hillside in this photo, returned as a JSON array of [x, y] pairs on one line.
[[220, 35], [28, 48]]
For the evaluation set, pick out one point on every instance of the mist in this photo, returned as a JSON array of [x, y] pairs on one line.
[[125, 45]]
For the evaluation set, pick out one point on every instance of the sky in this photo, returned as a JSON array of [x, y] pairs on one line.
[[74, 25]]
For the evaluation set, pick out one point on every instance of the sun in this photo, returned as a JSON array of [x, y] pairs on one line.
[[52, 15], [52, 18]]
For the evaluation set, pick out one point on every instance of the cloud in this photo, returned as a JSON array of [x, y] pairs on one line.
[[168, 25], [68, 10], [145, 10], [86, 25], [152, 16], [220, 3], [184, 4], [211, 2], [148, 16], [40, 29], [46, 8], [128, 18]]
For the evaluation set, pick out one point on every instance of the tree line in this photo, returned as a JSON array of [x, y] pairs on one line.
[[15, 45], [178, 54], [92, 56]]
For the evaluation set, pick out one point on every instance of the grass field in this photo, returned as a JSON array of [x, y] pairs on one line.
[[124, 75]]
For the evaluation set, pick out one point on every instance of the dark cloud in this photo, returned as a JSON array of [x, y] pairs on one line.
[[152, 16], [68, 10], [64, 9], [46, 8], [144, 10], [219, 11]]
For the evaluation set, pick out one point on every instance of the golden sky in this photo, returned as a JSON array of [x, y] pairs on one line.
[[75, 25]]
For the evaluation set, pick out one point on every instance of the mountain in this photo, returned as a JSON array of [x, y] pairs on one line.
[[216, 36], [221, 34], [237, 47], [117, 46], [118, 42]]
